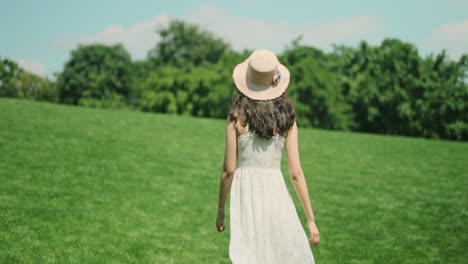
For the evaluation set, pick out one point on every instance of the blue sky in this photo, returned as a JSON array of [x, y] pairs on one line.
[[39, 35]]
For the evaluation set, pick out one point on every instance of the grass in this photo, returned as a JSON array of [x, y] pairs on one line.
[[81, 185]]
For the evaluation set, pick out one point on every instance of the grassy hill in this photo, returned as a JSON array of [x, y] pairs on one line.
[[80, 185]]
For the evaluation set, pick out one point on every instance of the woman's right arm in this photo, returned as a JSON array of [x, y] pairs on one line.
[[299, 181], [295, 171]]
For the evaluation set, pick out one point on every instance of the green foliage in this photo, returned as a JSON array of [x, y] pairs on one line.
[[159, 90], [31, 86], [442, 109], [95, 72], [201, 91], [315, 90], [183, 44], [392, 90], [9, 78], [108, 100], [377, 81], [387, 88], [140, 72], [18, 83]]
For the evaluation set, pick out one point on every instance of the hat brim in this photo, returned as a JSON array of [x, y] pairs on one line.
[[257, 91]]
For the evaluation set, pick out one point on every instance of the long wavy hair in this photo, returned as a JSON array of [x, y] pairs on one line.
[[265, 117]]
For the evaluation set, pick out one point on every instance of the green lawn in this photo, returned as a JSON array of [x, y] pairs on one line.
[[80, 185]]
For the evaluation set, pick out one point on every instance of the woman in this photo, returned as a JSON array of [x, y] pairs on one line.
[[264, 224]]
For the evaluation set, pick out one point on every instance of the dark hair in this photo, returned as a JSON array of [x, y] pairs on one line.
[[263, 116]]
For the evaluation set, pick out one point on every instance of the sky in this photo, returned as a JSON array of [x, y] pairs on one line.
[[39, 35]]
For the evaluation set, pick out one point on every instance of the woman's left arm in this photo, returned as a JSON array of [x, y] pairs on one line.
[[227, 173]]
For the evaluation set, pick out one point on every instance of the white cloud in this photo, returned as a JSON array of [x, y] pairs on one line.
[[251, 33], [452, 37], [138, 39], [241, 32], [35, 67]]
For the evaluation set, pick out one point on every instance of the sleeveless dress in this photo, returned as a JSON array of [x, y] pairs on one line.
[[264, 225]]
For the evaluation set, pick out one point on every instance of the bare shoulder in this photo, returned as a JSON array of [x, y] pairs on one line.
[[235, 125], [292, 130]]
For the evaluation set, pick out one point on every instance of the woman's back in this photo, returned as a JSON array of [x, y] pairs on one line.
[[255, 151]]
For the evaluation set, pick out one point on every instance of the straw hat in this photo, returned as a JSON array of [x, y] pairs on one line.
[[261, 76]]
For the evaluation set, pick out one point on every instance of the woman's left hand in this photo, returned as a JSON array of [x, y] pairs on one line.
[[220, 221]]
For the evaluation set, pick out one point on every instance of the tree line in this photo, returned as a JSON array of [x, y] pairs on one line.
[[388, 88]]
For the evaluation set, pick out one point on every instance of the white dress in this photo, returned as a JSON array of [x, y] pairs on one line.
[[264, 224]]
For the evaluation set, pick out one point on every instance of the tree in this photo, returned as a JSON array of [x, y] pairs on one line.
[[31, 86], [378, 82], [315, 90], [201, 91], [96, 72], [392, 90], [184, 45], [9, 78], [441, 108]]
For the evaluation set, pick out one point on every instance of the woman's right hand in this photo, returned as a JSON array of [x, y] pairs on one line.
[[314, 233]]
